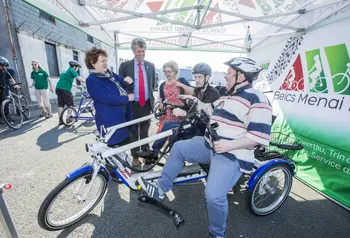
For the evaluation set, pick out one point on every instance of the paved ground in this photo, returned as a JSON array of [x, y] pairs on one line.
[[37, 157]]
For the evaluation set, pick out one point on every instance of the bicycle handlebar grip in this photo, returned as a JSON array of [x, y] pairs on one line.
[[159, 114]]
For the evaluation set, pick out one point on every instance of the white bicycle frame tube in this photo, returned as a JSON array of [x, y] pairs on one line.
[[5, 217], [111, 130]]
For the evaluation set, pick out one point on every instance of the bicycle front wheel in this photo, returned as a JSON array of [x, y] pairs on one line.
[[65, 205], [271, 190], [24, 107], [69, 116], [11, 114]]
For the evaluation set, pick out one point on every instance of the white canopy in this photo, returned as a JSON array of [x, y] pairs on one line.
[[197, 25]]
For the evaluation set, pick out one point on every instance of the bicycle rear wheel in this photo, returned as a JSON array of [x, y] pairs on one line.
[[64, 205], [25, 107], [271, 190], [11, 114]]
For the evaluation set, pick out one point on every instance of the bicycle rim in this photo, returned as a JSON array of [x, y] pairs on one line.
[[11, 114], [69, 116], [271, 190], [67, 207]]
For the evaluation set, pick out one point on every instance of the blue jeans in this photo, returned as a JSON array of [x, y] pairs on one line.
[[223, 175], [158, 144]]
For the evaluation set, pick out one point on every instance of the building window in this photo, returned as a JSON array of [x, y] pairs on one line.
[[52, 59], [47, 17], [75, 55], [90, 39]]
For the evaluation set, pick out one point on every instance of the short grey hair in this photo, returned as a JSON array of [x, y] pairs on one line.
[[173, 65], [138, 42]]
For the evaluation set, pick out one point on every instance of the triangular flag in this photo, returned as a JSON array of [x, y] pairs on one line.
[[155, 6], [248, 3]]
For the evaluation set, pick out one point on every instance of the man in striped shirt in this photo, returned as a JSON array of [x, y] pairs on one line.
[[244, 117]]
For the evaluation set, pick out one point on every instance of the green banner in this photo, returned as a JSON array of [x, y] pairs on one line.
[[320, 165]]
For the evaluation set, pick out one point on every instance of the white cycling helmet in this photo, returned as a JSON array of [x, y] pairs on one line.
[[246, 66]]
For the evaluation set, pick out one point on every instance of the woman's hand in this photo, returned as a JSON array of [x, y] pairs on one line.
[[51, 89], [128, 80], [179, 112], [131, 97]]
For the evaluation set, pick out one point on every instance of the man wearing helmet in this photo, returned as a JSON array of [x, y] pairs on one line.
[[204, 93], [64, 87], [244, 117], [5, 80]]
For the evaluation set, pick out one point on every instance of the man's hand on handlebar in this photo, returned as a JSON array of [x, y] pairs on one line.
[[17, 87], [222, 146]]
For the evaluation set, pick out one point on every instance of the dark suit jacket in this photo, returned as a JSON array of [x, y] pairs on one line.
[[127, 69]]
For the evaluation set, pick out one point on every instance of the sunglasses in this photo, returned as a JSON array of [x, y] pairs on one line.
[[34, 64], [167, 72]]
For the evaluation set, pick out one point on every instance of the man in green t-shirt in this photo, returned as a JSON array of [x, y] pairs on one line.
[[64, 87]]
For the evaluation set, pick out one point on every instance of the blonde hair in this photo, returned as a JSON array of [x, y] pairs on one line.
[[173, 65], [34, 60]]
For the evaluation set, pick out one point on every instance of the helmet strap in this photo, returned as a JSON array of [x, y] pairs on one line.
[[205, 83], [230, 92]]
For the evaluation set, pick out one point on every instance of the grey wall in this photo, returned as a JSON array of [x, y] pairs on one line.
[[65, 33]]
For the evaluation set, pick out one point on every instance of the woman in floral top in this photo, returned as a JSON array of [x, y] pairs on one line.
[[170, 89]]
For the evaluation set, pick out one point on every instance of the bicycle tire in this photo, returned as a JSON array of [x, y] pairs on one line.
[[280, 201], [344, 76], [18, 113], [44, 208], [63, 118], [25, 107], [322, 90]]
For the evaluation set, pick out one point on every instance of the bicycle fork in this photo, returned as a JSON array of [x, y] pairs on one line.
[[81, 193]]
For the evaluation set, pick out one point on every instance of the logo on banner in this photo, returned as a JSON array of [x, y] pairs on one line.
[[338, 83], [184, 16], [317, 80], [295, 79], [339, 65]]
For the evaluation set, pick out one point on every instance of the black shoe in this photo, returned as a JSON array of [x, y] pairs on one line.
[[147, 154]]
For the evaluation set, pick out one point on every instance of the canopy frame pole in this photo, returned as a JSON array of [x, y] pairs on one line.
[[150, 39], [144, 15]]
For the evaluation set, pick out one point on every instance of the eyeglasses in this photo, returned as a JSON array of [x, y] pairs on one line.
[[167, 72], [34, 64]]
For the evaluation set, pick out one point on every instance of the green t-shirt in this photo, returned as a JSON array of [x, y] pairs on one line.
[[40, 79], [66, 79]]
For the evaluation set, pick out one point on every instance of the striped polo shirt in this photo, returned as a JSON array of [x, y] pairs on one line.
[[247, 113]]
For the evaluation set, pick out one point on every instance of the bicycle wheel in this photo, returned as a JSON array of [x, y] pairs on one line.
[[69, 116], [341, 81], [284, 85], [11, 114], [320, 85], [271, 190], [64, 207], [25, 107]]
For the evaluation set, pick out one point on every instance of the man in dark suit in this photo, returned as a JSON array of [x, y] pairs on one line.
[[144, 76]]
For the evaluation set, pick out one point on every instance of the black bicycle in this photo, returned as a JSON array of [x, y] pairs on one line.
[[14, 108]]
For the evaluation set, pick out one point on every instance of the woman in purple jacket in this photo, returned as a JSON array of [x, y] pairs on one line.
[[109, 93]]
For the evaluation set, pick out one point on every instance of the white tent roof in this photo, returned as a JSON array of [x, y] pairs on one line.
[[205, 25]]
